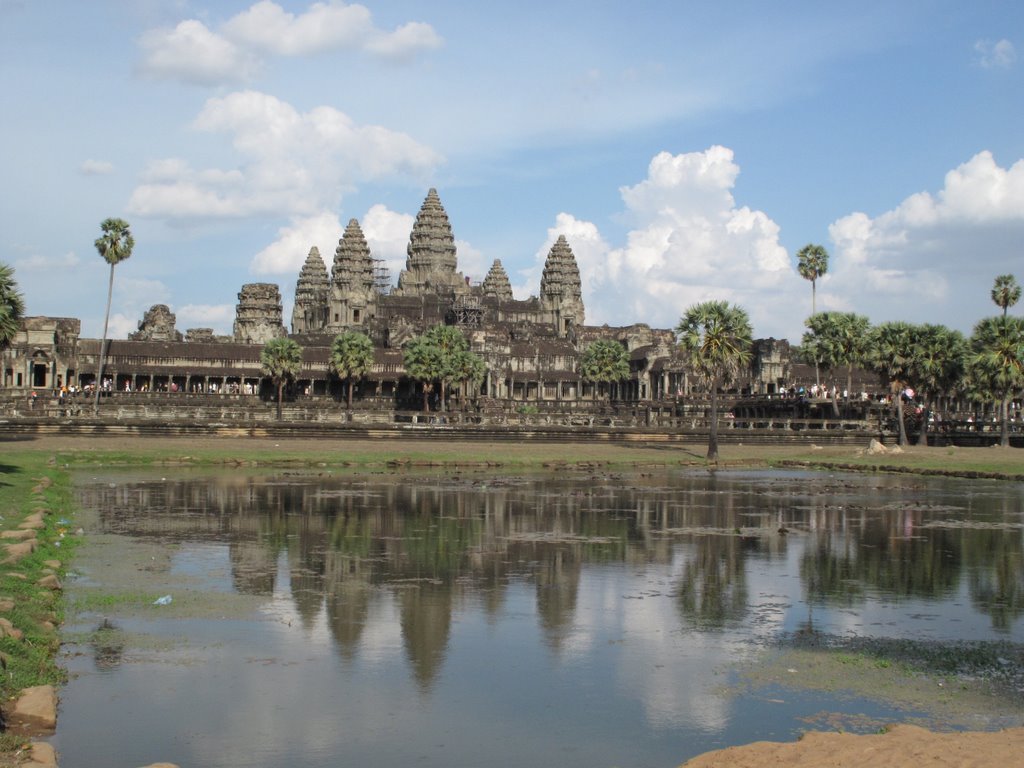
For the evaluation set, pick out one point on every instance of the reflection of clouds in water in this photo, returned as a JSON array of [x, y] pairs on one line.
[[381, 640]]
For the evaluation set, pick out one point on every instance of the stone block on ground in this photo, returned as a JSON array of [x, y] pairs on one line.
[[34, 711], [42, 755], [35, 520], [16, 552], [50, 582], [19, 535]]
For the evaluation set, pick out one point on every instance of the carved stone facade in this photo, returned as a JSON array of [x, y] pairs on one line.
[[531, 347], [258, 314], [156, 325]]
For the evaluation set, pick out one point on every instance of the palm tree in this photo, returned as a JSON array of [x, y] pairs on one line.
[[422, 362], [812, 263], [837, 339], [891, 356], [114, 245], [717, 339], [351, 358], [997, 362], [937, 365], [12, 305], [605, 361], [470, 369], [1005, 292], [281, 359]]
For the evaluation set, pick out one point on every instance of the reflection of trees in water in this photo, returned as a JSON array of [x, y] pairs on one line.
[[996, 575], [713, 588], [425, 611], [348, 540], [891, 553]]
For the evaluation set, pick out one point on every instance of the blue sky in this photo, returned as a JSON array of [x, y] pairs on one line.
[[686, 150]]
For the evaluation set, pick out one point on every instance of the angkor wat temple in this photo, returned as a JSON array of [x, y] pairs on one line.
[[531, 346]]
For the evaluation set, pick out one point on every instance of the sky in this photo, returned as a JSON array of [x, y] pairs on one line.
[[686, 150]]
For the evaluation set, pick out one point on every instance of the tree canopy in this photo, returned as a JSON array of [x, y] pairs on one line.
[[351, 358], [12, 305], [281, 359], [604, 361], [114, 245], [717, 338], [1005, 292], [996, 361], [440, 355], [812, 263]]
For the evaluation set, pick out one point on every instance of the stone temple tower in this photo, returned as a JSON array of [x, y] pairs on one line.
[[430, 266], [311, 291], [258, 314], [353, 294], [561, 295], [496, 284]]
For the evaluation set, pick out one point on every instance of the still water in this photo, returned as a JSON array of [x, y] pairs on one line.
[[463, 619]]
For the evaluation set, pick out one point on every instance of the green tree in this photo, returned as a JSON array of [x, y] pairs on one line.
[[837, 339], [604, 361], [936, 366], [997, 362], [281, 359], [351, 358], [1005, 292], [812, 263], [469, 369], [12, 305], [891, 356], [114, 245], [439, 355], [717, 339]]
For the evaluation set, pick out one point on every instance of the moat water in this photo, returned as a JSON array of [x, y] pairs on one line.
[[467, 619]]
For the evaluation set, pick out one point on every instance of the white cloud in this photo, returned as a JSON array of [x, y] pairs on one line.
[[387, 233], [217, 316], [294, 163], [934, 256], [286, 255], [267, 27], [96, 168], [690, 242], [406, 42], [193, 54], [39, 262], [995, 55]]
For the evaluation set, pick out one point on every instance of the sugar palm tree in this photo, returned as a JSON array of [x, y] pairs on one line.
[[12, 305], [717, 339], [351, 358], [937, 365], [812, 263], [997, 362], [891, 356], [837, 339], [423, 363], [604, 361], [1005, 292], [469, 369], [281, 359], [114, 245]]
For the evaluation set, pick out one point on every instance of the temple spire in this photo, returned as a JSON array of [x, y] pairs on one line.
[[431, 261]]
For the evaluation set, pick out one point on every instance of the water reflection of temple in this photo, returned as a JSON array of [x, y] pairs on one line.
[[427, 544]]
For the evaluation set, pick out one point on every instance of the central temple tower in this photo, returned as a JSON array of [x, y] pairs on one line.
[[431, 263]]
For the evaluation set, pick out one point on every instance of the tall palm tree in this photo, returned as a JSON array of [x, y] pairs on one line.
[[812, 263], [891, 356], [450, 344], [12, 305], [837, 339], [351, 358], [469, 369], [1005, 292], [114, 245], [717, 339], [997, 362], [937, 365], [281, 359], [604, 361], [422, 362]]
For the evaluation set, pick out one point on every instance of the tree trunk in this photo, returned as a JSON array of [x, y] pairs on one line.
[[442, 403], [1004, 429], [280, 397], [922, 438], [426, 398], [713, 431], [899, 418], [349, 382], [103, 344]]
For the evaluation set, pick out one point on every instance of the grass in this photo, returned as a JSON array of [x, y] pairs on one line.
[[31, 660], [418, 452]]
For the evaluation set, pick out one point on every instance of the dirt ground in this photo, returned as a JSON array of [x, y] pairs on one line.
[[904, 746], [900, 746]]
